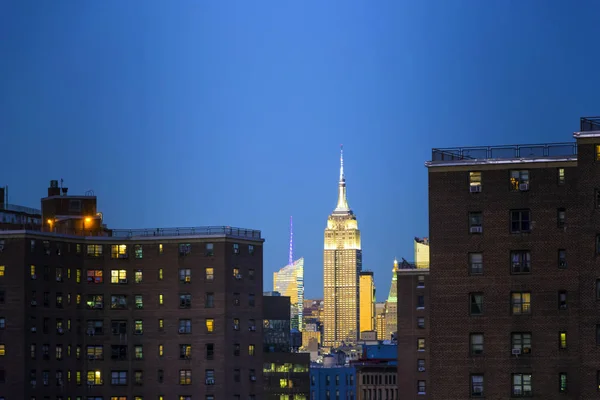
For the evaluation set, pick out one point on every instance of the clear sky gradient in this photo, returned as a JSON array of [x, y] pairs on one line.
[[190, 113]]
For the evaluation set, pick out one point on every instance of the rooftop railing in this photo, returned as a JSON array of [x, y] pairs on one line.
[[588, 124], [567, 149], [200, 231], [21, 209]]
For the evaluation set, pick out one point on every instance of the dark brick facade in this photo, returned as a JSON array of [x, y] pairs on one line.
[[563, 293], [413, 325], [31, 308]]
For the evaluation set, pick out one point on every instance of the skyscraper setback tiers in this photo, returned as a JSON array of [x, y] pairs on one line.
[[342, 264]]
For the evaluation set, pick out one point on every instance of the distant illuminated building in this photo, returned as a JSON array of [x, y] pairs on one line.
[[380, 320], [391, 305], [367, 301], [289, 281], [422, 252], [342, 264]]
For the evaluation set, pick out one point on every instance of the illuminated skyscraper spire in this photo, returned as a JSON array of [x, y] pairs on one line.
[[291, 257], [342, 204]]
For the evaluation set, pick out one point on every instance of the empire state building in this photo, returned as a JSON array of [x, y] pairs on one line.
[[342, 264]]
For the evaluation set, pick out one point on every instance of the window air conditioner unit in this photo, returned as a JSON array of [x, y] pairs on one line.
[[516, 352], [181, 330], [252, 329], [523, 187], [421, 369], [476, 229], [475, 189], [253, 378], [238, 277], [210, 381]]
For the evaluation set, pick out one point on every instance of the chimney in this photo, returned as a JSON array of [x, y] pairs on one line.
[[53, 190]]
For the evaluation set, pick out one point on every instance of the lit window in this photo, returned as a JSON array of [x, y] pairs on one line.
[[139, 301], [185, 377], [95, 276], [421, 344], [118, 251], [421, 387], [32, 271], [118, 276], [185, 351], [137, 249], [78, 275], [598, 152], [94, 377], [210, 273], [160, 274], [139, 352], [94, 250], [161, 324], [561, 176], [139, 327], [562, 340], [250, 349], [210, 325], [160, 248], [161, 299], [475, 181], [562, 380], [2, 350], [138, 276], [521, 303], [161, 350], [185, 275], [519, 180], [2, 270]]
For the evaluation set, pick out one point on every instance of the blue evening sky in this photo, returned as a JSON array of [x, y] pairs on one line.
[[189, 113]]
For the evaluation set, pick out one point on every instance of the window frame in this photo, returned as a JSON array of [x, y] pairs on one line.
[[520, 221]]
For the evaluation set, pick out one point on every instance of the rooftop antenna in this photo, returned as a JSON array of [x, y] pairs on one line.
[[291, 256]]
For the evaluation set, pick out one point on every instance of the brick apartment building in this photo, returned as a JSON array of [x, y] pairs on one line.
[[92, 313], [413, 331], [515, 278]]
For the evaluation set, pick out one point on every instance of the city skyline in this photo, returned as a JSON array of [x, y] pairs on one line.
[[216, 120]]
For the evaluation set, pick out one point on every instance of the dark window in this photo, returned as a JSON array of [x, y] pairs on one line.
[[561, 215], [521, 385], [477, 385], [210, 351], [185, 301], [420, 301], [562, 300], [475, 222], [520, 262], [476, 303], [521, 343], [597, 244], [210, 300], [475, 263], [562, 258], [476, 340], [520, 221]]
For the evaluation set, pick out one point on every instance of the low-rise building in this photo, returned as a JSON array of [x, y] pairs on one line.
[[332, 380], [376, 372]]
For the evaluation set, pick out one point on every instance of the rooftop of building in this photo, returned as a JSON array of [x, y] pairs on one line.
[[149, 234], [20, 209], [510, 154]]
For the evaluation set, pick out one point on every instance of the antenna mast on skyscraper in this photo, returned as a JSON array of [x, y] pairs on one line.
[[291, 257]]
